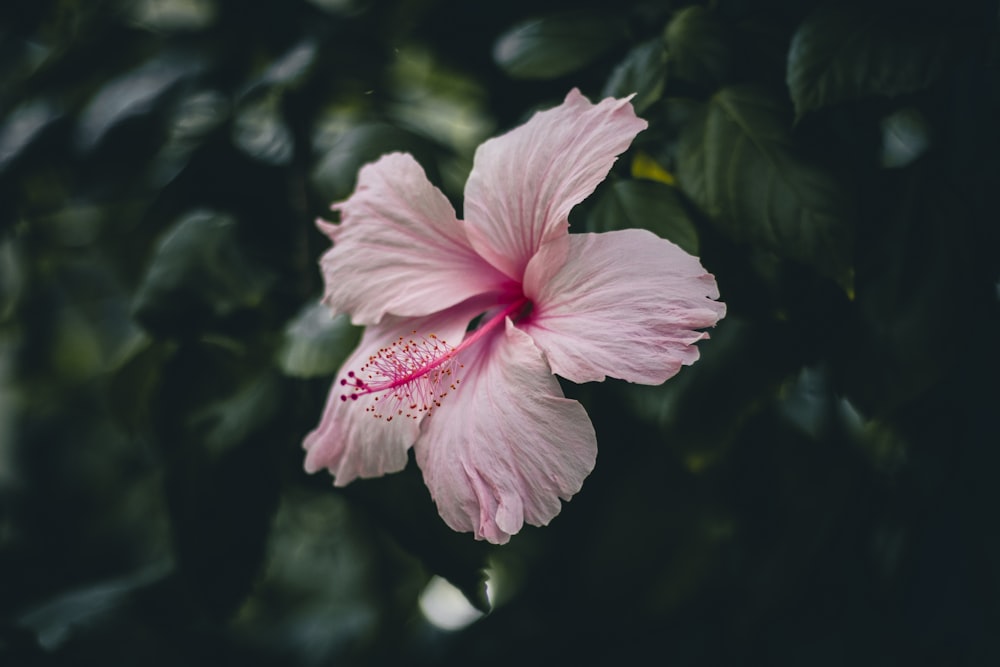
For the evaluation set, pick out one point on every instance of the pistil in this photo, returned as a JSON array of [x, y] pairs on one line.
[[411, 376]]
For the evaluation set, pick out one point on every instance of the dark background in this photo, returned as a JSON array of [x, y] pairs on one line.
[[819, 489]]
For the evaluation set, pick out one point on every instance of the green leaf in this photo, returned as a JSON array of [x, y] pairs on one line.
[[335, 174], [906, 135], [739, 164], [221, 424], [698, 44], [647, 205], [643, 72], [234, 420], [401, 505], [198, 270], [845, 52], [23, 127], [551, 46], [260, 131], [133, 94], [316, 342]]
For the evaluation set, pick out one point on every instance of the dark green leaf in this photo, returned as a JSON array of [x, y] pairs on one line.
[[221, 425], [551, 46], [12, 278], [229, 422], [172, 15], [905, 137], [739, 164], [291, 68], [845, 52], [643, 72], [132, 94], [912, 270], [402, 506], [193, 121], [261, 132], [134, 383], [646, 205], [316, 342], [335, 174], [699, 47], [197, 271], [23, 126]]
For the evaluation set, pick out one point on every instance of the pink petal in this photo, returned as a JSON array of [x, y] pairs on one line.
[[351, 442], [399, 248], [524, 183], [625, 304], [506, 446]]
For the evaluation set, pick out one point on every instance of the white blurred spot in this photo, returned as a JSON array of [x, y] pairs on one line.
[[445, 607]]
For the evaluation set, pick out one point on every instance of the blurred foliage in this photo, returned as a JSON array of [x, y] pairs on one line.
[[819, 489]]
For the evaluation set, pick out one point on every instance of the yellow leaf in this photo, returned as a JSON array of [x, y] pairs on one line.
[[643, 166]]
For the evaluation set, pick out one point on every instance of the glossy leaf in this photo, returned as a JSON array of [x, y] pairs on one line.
[[336, 172], [556, 45], [643, 73], [906, 135], [699, 47], [316, 342], [645, 205], [261, 132], [198, 270], [844, 52], [738, 162], [23, 126], [132, 94]]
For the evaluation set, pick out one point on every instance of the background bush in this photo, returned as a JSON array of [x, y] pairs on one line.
[[818, 490]]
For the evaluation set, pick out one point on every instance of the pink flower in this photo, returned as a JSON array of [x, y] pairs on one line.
[[496, 440]]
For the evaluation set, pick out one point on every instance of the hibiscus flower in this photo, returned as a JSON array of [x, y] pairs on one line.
[[469, 321]]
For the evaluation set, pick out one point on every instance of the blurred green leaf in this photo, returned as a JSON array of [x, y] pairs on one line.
[[291, 68], [316, 342], [403, 507], [134, 93], [555, 45], [134, 383], [643, 72], [698, 45], [198, 270], [260, 131], [22, 126], [193, 121], [739, 372], [844, 51], [173, 15], [739, 164], [229, 422], [12, 277], [645, 205], [335, 174], [71, 615], [906, 135], [222, 475], [913, 269]]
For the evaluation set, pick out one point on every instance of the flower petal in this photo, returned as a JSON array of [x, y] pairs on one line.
[[625, 304], [524, 183], [349, 441], [507, 445], [399, 248]]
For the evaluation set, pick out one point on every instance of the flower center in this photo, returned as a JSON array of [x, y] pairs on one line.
[[411, 376]]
